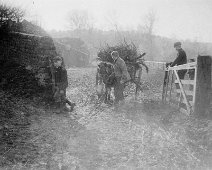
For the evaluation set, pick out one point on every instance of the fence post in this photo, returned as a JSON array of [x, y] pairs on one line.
[[203, 86]]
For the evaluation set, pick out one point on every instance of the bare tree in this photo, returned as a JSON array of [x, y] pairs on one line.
[[17, 13], [150, 19], [79, 20], [10, 13], [112, 19], [148, 29]]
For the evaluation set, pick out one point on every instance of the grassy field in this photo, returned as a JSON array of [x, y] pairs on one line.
[[141, 134]]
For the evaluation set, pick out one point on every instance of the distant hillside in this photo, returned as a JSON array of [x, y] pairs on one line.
[[158, 49]]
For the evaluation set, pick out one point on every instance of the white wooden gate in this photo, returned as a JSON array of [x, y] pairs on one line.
[[180, 93], [192, 94]]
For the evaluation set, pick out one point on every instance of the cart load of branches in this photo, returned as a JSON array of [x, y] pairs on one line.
[[128, 52]]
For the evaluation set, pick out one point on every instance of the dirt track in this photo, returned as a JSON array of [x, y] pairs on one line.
[[142, 134]]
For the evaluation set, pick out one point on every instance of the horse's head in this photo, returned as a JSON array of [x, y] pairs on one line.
[[106, 71], [102, 68], [105, 68]]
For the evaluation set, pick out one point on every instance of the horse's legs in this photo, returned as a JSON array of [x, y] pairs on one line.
[[107, 94], [105, 97]]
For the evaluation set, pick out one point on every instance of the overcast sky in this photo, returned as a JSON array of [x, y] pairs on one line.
[[182, 19]]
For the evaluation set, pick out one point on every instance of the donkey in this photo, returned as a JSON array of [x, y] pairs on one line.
[[105, 79]]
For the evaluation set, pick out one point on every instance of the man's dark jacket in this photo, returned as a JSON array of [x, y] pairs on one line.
[[61, 76], [181, 59]]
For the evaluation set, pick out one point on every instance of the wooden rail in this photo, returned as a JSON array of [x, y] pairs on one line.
[[156, 65]]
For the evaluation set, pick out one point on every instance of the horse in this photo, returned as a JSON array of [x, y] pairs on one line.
[[105, 76], [105, 79]]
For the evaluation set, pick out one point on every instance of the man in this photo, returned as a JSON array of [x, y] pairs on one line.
[[181, 59], [61, 83], [121, 75]]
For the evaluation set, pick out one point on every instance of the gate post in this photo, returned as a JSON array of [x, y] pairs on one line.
[[203, 86]]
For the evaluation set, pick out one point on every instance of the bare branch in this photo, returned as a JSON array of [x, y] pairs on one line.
[[10, 13], [150, 21], [79, 19]]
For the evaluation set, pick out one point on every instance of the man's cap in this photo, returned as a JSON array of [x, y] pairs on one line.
[[177, 44], [115, 54]]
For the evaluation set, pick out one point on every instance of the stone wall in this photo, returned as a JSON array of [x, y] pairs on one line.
[[33, 53]]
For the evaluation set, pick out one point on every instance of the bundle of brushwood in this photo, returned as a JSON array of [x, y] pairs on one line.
[[128, 52]]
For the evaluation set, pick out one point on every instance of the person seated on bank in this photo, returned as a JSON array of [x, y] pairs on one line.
[[61, 83], [180, 59]]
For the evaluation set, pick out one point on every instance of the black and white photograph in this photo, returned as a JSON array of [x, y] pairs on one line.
[[105, 85]]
